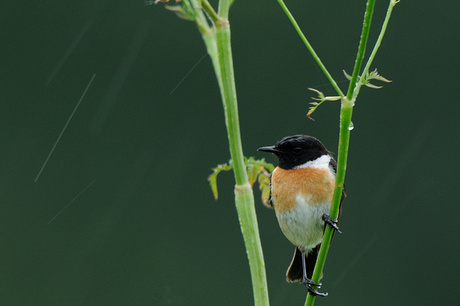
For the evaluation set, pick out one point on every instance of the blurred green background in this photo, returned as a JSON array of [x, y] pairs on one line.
[[122, 213]]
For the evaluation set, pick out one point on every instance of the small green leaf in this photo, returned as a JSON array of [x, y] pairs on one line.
[[213, 182], [320, 94], [372, 86], [374, 75], [320, 98], [252, 173], [347, 75], [264, 186], [257, 169], [213, 177]]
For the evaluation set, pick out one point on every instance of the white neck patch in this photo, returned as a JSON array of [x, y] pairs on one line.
[[321, 162]]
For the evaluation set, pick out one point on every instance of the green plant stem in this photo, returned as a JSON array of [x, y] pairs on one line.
[[244, 197], [310, 48], [244, 201], [224, 8], [228, 92], [218, 44], [345, 120], [346, 112], [380, 38], [361, 49], [209, 10]]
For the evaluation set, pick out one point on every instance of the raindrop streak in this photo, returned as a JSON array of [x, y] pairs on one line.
[[63, 129], [71, 201], [190, 71], [120, 76], [351, 126], [72, 46]]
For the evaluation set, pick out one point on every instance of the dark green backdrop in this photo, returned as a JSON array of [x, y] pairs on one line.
[[122, 213]]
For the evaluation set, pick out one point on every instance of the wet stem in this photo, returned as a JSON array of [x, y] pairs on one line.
[[218, 44], [345, 128], [344, 140]]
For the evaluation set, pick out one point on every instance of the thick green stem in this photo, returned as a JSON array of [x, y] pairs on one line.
[[218, 45], [224, 7], [244, 201], [244, 198], [228, 92]]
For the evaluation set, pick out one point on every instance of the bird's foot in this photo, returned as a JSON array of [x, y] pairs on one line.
[[309, 284], [331, 222]]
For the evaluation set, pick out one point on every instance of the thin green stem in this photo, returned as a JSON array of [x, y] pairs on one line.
[[209, 10], [344, 140], [380, 38], [310, 48], [362, 48], [345, 120], [200, 18]]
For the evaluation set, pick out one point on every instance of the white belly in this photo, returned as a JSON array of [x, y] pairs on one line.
[[303, 225]]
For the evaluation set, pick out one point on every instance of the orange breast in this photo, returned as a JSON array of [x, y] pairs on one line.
[[314, 184]]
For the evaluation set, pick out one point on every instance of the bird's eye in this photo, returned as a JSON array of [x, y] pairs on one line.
[[297, 150]]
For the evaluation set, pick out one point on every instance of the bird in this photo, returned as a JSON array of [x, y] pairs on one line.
[[301, 191]]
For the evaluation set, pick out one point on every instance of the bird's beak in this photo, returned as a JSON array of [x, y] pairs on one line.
[[270, 149]]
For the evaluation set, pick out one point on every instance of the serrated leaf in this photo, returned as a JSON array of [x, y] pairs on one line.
[[213, 177], [320, 94], [374, 75], [320, 98], [252, 174], [257, 169]]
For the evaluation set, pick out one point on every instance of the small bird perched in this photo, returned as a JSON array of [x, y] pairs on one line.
[[301, 191]]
